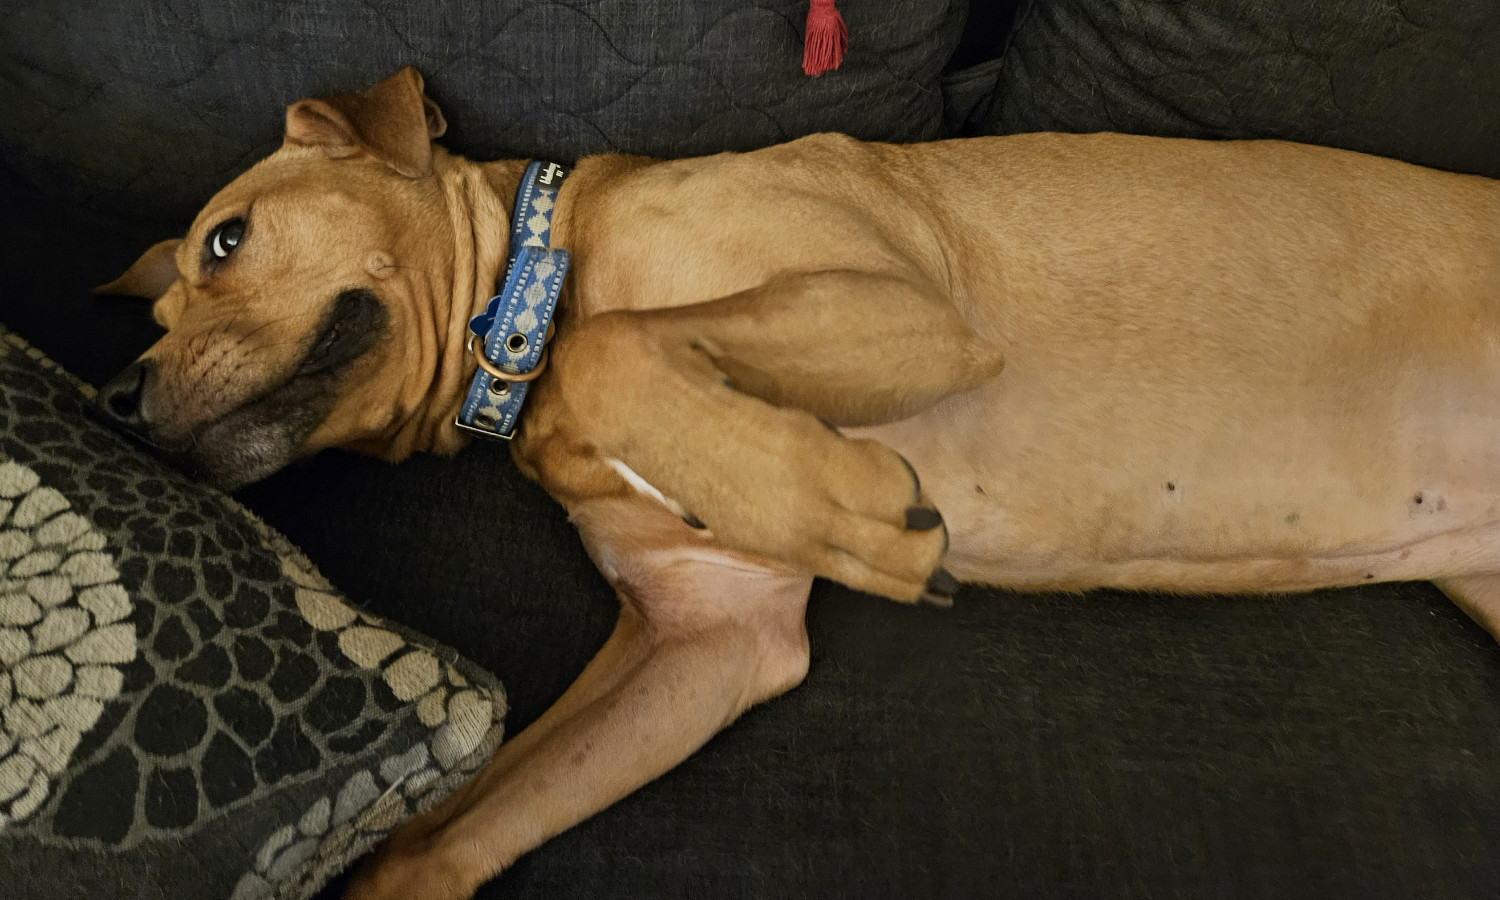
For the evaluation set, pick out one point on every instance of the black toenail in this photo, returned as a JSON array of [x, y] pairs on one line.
[[922, 518], [694, 522], [942, 584], [942, 601], [915, 480]]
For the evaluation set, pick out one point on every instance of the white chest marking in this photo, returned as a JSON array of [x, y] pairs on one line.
[[645, 487]]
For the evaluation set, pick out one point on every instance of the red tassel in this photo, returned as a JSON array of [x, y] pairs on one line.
[[826, 39]]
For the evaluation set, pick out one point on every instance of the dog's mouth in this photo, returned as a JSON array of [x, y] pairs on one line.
[[269, 430]]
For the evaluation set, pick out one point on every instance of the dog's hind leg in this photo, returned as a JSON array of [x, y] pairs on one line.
[[724, 407], [702, 636], [1477, 595]]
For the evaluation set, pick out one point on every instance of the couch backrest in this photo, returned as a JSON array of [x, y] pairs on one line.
[[148, 106], [1417, 80]]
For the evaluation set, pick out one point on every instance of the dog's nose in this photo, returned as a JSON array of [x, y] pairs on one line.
[[123, 398]]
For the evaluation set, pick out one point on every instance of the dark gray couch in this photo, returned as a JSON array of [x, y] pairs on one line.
[[1341, 744]]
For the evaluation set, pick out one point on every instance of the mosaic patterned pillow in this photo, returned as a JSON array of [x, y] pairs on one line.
[[187, 709]]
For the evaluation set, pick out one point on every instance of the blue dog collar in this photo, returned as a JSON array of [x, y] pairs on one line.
[[516, 323]]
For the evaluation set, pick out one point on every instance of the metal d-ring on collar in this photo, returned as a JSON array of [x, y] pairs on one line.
[[509, 339], [498, 374]]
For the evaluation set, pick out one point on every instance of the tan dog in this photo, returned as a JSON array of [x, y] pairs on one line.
[[1113, 360]]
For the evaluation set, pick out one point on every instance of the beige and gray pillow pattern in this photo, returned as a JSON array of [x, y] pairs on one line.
[[187, 708]]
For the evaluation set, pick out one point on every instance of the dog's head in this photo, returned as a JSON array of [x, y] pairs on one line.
[[281, 300]]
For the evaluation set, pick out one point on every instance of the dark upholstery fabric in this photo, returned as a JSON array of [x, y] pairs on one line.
[[974, 70], [986, 33], [154, 104], [1417, 80], [1334, 745]]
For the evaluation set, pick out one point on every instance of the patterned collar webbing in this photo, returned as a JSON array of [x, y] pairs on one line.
[[514, 326]]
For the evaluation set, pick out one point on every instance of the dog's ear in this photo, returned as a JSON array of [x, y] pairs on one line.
[[392, 121], [149, 276]]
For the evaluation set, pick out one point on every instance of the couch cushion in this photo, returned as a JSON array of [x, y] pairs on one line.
[[186, 705], [152, 105], [1417, 80]]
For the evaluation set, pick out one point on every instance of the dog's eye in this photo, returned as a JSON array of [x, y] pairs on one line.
[[225, 238]]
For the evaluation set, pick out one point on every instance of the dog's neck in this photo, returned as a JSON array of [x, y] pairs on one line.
[[479, 197]]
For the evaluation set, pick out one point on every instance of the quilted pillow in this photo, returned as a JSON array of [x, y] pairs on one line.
[[1417, 80], [149, 106], [187, 708]]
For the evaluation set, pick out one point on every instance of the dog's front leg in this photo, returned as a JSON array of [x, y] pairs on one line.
[[725, 407], [702, 636]]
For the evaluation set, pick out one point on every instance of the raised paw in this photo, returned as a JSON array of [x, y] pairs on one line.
[[770, 481]]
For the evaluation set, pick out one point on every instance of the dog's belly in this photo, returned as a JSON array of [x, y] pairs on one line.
[[1464, 551], [1089, 485], [1297, 395]]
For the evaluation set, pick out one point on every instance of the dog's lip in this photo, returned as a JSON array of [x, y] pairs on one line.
[[351, 326], [275, 420]]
